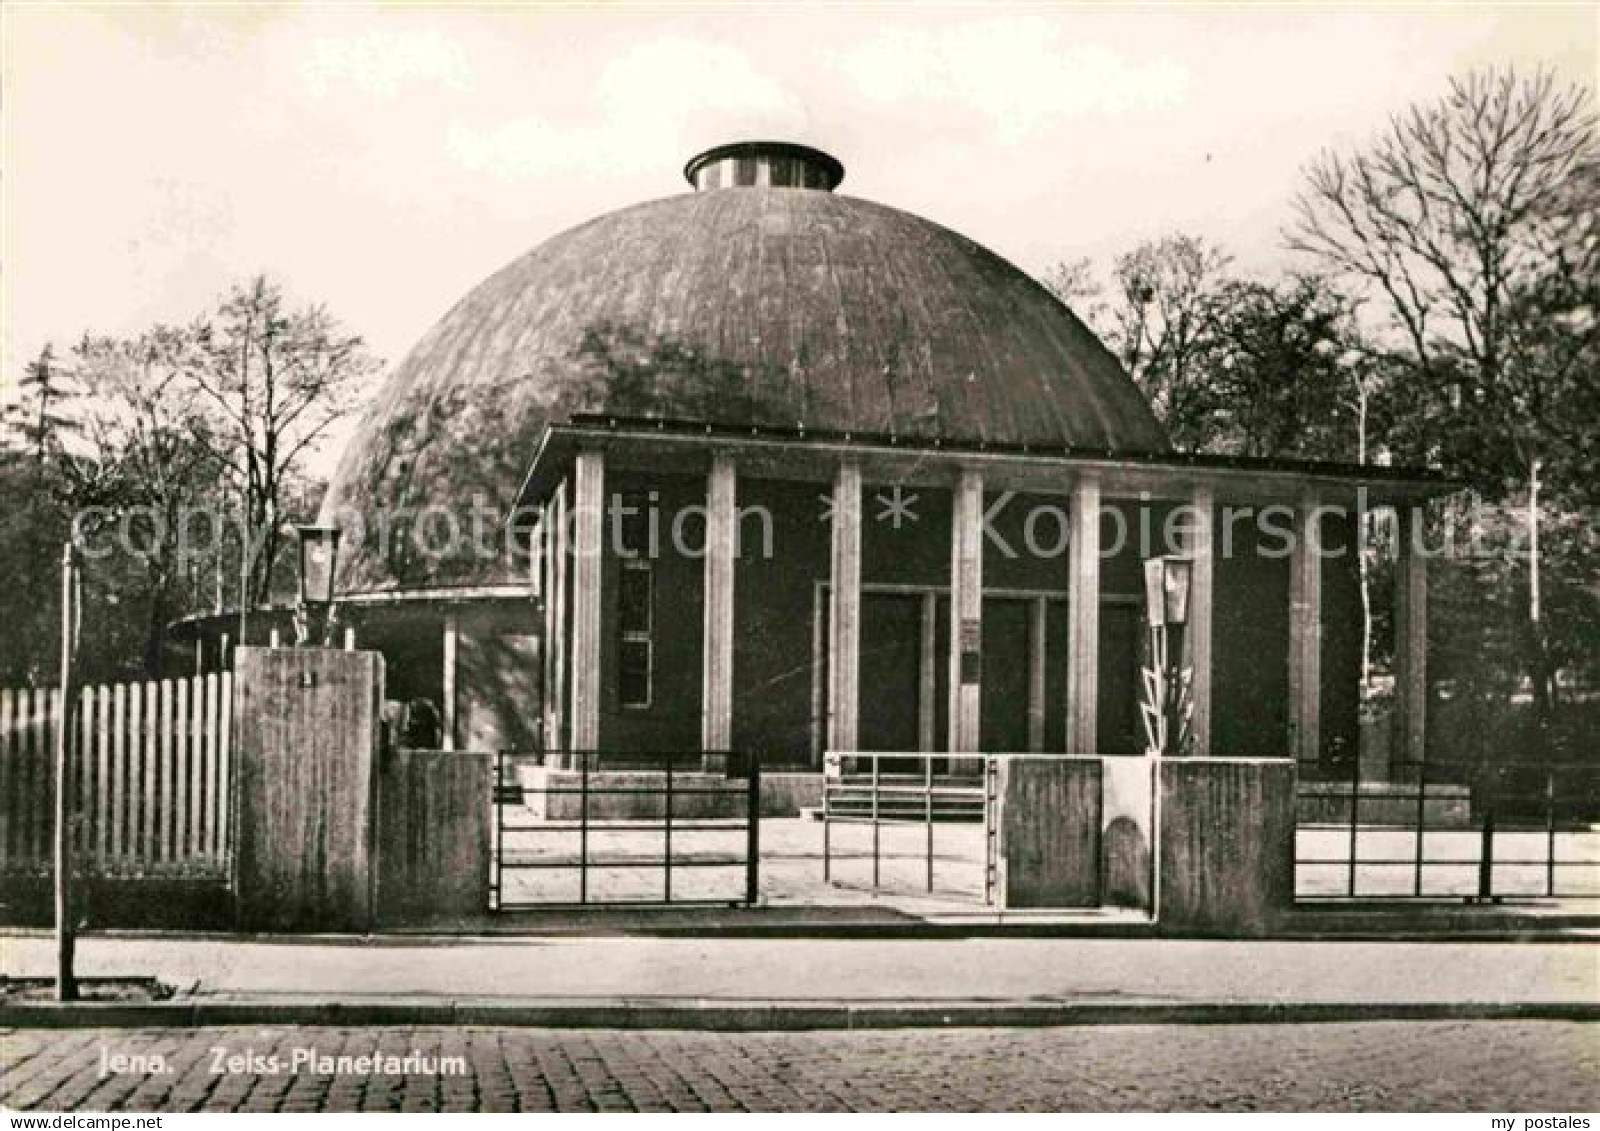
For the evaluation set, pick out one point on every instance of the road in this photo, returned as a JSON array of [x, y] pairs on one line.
[[1386, 1066]]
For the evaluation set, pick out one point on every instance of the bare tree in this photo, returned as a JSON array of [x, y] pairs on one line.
[[1440, 219], [1162, 325], [1075, 283], [276, 380]]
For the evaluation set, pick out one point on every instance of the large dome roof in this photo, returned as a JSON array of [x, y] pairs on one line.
[[782, 307]]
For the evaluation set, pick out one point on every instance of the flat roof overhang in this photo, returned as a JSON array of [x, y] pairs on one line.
[[801, 454], [363, 601]]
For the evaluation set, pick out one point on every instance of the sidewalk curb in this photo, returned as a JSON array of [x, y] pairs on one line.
[[1563, 930], [764, 1015]]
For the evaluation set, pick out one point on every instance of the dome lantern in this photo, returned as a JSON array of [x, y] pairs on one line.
[[776, 164]]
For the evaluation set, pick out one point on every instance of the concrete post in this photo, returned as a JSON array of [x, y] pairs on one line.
[[966, 613], [1410, 643], [1305, 634], [1202, 601], [844, 610], [716, 713], [587, 560], [1083, 619]]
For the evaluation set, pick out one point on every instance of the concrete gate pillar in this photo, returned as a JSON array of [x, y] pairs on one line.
[[1049, 850], [306, 735]]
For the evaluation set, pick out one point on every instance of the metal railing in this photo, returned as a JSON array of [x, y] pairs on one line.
[[881, 789], [1511, 829], [646, 782]]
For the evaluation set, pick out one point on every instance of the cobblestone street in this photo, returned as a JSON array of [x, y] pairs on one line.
[[1472, 1066]]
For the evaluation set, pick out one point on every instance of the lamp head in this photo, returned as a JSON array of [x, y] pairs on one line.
[[1166, 590], [319, 556]]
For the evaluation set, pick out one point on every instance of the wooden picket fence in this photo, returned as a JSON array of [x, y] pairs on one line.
[[152, 782]]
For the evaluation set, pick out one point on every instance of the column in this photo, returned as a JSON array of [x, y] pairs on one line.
[[1305, 634], [844, 610], [536, 556], [588, 525], [1083, 618], [1201, 543], [539, 591], [1410, 642], [556, 620], [716, 703], [966, 613], [447, 706]]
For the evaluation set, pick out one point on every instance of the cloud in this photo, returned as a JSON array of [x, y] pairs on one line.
[[518, 149], [653, 104], [1016, 74], [382, 64], [383, 159], [689, 85]]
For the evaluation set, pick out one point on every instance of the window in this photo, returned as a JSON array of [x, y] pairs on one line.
[[635, 608], [636, 605]]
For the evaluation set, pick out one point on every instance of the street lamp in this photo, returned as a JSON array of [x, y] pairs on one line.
[[1166, 590], [1165, 706], [319, 556]]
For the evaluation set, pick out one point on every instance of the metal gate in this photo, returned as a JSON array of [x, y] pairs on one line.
[[592, 829], [911, 792]]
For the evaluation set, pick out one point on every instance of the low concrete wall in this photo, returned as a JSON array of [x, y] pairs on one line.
[[433, 839], [782, 794], [1049, 832], [785, 795], [619, 795], [135, 902], [1226, 852], [1385, 803], [497, 677]]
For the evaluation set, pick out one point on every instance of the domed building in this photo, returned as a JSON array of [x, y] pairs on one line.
[[766, 467]]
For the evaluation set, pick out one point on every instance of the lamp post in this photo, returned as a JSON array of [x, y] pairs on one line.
[[319, 555], [66, 928], [1165, 706]]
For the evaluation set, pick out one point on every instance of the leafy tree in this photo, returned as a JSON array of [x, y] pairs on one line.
[[1229, 364], [1280, 358], [33, 526], [47, 483], [36, 419], [178, 450], [146, 440]]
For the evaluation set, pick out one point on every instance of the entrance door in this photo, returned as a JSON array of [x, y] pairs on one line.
[[891, 670], [1003, 701]]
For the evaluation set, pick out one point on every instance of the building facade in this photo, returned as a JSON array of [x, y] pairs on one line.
[[764, 467]]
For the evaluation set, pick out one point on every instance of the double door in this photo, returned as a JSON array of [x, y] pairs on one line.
[[905, 670]]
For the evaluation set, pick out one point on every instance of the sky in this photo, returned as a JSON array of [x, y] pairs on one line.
[[382, 159]]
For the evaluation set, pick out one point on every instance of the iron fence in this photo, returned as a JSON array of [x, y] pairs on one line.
[[590, 816], [1431, 829]]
